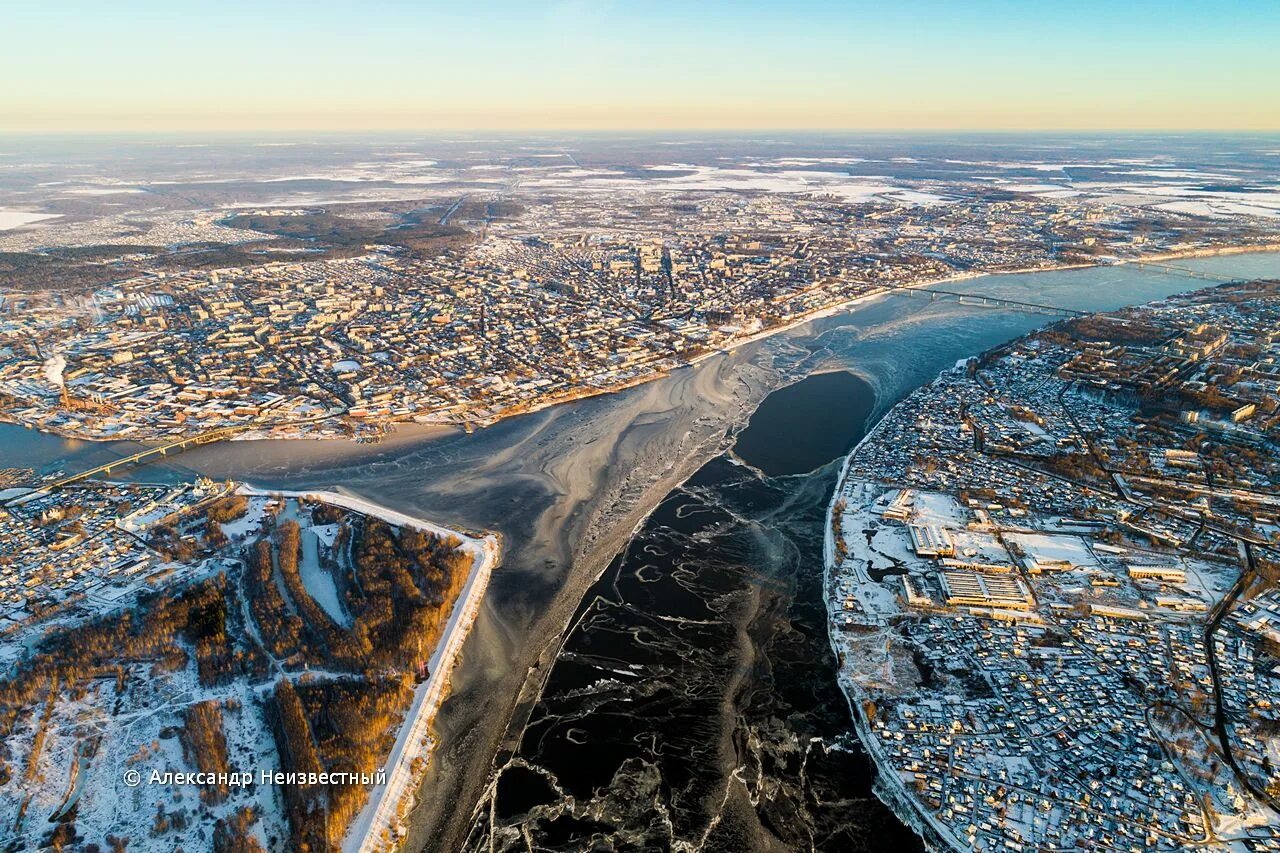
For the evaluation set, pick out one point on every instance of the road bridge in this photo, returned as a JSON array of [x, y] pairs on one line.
[[176, 446], [1185, 272], [979, 300]]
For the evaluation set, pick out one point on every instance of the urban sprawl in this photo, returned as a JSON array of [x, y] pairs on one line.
[[576, 295], [1051, 574], [1052, 584]]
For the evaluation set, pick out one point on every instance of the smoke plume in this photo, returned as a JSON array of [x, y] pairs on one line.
[[53, 370]]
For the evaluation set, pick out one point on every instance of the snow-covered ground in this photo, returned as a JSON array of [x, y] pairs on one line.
[[103, 741], [130, 724], [986, 716], [791, 180], [10, 218], [378, 823], [1046, 548], [316, 580]]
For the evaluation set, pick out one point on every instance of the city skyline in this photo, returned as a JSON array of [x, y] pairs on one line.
[[579, 65]]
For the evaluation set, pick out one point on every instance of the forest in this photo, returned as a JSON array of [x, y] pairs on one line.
[[333, 694], [414, 231]]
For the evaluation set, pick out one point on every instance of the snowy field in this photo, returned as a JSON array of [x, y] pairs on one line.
[[10, 218]]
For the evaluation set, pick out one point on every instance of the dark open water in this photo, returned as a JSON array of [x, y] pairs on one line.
[[695, 699], [807, 424]]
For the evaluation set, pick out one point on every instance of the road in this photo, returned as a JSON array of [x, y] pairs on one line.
[[378, 820], [453, 208], [1220, 724]]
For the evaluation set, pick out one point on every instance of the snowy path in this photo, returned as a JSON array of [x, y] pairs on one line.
[[378, 819]]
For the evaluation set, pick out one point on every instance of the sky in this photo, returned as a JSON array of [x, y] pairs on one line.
[[392, 65]]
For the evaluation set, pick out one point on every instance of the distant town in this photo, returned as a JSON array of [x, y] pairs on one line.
[[1052, 585], [548, 300]]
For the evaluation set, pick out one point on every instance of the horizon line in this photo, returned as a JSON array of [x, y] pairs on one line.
[[646, 131]]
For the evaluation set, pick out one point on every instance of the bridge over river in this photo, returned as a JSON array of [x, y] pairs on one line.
[[982, 301], [1185, 272], [149, 453], [176, 446], [979, 300]]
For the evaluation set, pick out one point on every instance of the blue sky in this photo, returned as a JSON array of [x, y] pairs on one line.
[[593, 64]]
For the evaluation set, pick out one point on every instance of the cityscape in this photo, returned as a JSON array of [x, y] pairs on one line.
[[1052, 583], [568, 293], [579, 426]]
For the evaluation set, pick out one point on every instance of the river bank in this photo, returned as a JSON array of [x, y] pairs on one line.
[[889, 787], [664, 365], [379, 821]]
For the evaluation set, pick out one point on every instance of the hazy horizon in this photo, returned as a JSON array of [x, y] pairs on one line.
[[599, 66]]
